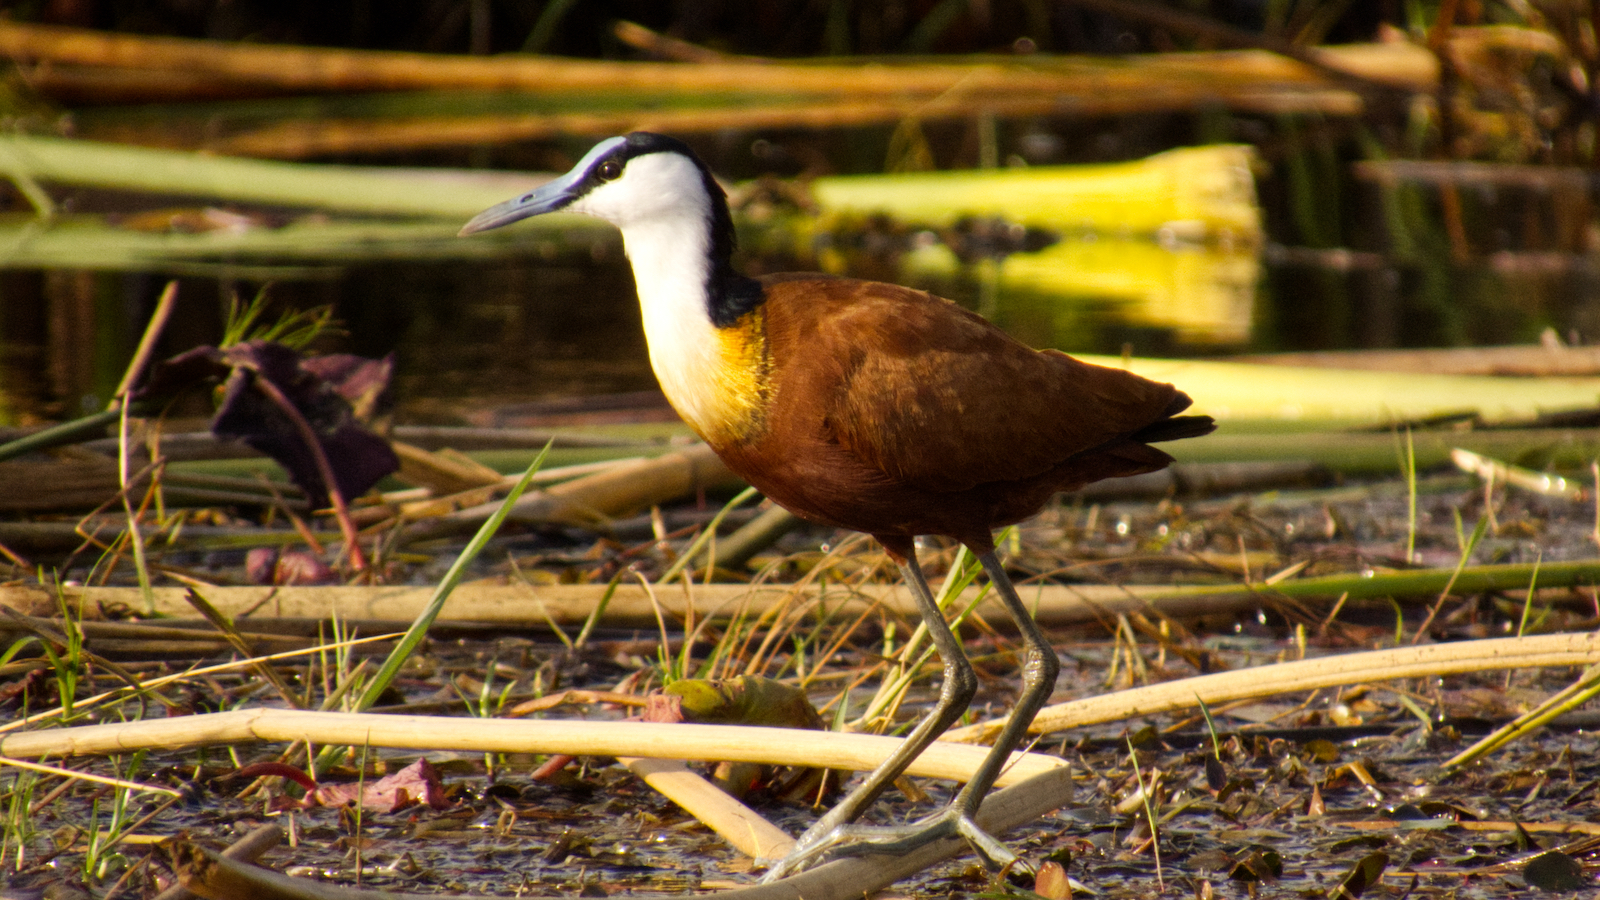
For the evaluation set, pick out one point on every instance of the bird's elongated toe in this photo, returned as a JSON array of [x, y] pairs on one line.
[[894, 840]]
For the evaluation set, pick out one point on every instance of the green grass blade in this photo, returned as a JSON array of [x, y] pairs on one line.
[[419, 628], [706, 534]]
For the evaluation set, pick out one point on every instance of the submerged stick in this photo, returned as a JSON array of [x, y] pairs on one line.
[[733, 743], [593, 499], [792, 746], [247, 849], [312, 138], [1569, 698], [1523, 360], [1308, 674], [755, 536], [738, 824], [299, 69], [632, 605]]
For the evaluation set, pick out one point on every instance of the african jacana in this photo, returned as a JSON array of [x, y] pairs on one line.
[[867, 406]]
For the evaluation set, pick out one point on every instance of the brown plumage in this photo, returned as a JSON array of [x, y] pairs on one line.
[[898, 413], [866, 406]]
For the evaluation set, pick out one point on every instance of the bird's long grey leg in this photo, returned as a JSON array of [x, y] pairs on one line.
[[1039, 669], [1040, 666], [959, 685]]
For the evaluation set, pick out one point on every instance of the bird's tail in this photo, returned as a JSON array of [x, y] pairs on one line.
[[1175, 428]]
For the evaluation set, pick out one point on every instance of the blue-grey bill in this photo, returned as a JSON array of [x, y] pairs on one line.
[[548, 197]]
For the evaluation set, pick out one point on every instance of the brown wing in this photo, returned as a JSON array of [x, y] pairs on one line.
[[936, 397]]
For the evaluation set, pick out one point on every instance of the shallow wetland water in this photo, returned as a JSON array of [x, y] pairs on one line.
[[1298, 790]]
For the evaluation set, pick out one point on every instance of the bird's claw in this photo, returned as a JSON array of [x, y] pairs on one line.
[[807, 851], [896, 840]]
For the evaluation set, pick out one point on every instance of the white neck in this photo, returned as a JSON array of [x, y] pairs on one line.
[[670, 268], [663, 209]]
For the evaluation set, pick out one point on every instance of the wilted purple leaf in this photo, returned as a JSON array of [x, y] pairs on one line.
[[333, 394], [357, 457], [362, 382]]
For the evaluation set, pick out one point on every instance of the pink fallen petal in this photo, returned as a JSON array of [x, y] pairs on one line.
[[416, 783]]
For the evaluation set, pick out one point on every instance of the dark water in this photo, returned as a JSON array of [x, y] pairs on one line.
[[471, 338], [489, 334]]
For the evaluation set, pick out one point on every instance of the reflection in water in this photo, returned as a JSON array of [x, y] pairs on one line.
[[63, 339], [470, 339], [1080, 293], [474, 339], [1141, 266], [466, 337]]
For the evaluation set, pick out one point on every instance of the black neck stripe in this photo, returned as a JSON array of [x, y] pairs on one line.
[[729, 295]]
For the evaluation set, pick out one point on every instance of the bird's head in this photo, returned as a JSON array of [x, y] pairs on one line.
[[637, 178]]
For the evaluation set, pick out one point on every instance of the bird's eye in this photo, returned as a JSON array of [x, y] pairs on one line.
[[610, 170]]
